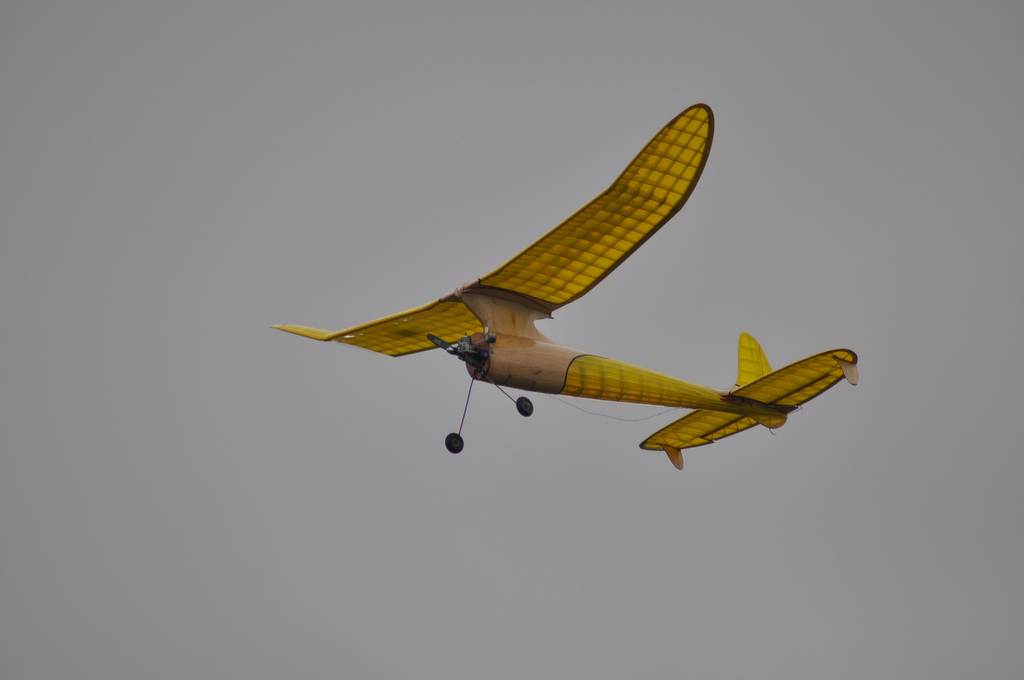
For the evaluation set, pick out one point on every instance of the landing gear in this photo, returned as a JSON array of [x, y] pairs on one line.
[[477, 357], [454, 442], [524, 406]]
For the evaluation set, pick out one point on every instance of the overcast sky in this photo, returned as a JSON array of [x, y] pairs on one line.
[[185, 492]]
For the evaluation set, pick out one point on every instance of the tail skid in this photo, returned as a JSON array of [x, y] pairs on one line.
[[761, 388]]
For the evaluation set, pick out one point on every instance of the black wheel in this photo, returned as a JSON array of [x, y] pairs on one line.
[[454, 442], [524, 406]]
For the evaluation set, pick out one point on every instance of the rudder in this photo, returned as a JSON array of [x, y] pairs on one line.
[[753, 363]]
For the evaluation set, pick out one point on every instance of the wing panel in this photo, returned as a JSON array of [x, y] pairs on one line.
[[402, 333], [572, 258]]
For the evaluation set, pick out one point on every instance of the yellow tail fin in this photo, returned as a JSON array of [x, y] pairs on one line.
[[752, 360]]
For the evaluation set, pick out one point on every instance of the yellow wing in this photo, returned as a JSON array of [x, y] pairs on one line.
[[575, 256], [570, 259], [402, 333]]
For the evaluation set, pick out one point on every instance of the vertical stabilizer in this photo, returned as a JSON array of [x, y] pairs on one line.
[[752, 360]]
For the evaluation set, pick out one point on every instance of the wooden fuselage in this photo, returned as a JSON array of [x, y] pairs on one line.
[[523, 358]]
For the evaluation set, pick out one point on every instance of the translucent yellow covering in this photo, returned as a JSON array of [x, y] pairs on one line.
[[573, 257], [787, 388], [402, 333], [753, 363], [698, 428], [801, 381], [599, 378]]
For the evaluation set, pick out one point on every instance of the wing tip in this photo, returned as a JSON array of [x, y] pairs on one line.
[[307, 332]]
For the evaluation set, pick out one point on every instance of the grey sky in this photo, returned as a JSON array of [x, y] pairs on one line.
[[185, 492]]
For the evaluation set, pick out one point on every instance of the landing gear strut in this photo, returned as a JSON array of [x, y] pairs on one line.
[[477, 358]]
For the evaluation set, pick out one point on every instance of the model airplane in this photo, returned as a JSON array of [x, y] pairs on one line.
[[489, 322]]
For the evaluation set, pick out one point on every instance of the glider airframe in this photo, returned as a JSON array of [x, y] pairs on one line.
[[489, 322]]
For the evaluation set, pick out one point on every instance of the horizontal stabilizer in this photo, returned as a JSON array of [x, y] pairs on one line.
[[697, 429], [801, 381], [784, 389]]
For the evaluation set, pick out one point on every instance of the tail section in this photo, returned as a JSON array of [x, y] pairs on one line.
[[753, 365], [769, 394]]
